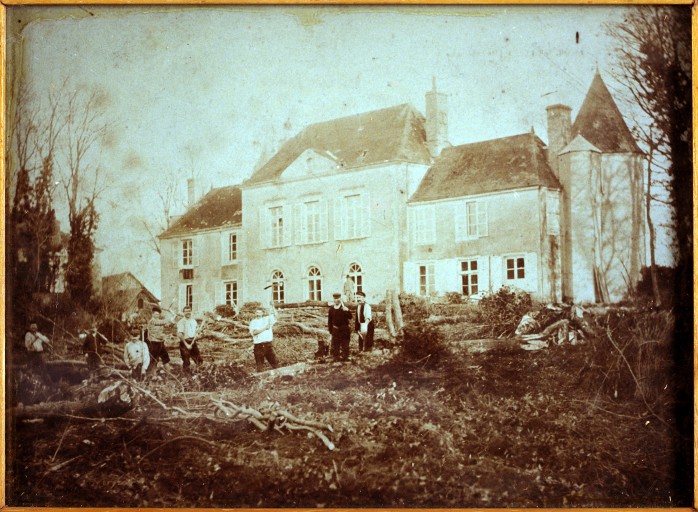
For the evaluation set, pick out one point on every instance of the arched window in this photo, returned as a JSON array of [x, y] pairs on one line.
[[356, 275], [314, 284], [140, 303], [277, 287]]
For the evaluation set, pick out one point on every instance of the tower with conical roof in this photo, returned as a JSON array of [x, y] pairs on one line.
[[599, 166]]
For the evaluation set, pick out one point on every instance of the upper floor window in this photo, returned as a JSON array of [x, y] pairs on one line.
[[427, 280], [469, 277], [356, 274], [352, 216], [278, 293], [311, 222], [314, 284], [274, 226], [471, 220], [184, 253], [515, 269], [424, 225], [231, 293], [230, 245]]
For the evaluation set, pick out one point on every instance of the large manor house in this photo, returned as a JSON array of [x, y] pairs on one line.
[[384, 198]]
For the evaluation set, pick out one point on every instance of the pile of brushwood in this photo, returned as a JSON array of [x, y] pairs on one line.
[[422, 421]]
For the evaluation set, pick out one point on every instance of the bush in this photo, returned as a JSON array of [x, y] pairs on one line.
[[501, 311], [414, 307], [421, 341], [453, 298], [225, 311]]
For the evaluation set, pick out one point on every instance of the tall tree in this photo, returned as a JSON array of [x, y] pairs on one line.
[[82, 183], [654, 64]]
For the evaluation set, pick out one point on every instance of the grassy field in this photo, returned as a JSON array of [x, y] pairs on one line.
[[486, 425]]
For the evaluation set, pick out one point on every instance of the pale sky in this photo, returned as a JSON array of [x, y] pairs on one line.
[[222, 86]]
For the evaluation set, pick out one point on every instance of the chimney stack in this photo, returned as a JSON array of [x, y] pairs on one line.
[[559, 133], [191, 193], [437, 120]]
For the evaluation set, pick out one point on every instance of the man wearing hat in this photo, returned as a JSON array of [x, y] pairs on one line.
[[363, 325], [338, 319]]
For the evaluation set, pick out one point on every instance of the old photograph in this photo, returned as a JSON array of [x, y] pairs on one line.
[[348, 256]]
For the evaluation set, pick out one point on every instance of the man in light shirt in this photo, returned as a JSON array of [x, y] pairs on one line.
[[34, 342], [364, 323], [136, 354], [262, 336], [186, 331]]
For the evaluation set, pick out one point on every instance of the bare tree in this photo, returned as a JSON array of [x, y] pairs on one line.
[[653, 56], [81, 180], [168, 201]]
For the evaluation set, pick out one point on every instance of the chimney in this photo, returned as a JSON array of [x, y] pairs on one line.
[[191, 193], [559, 132], [437, 121]]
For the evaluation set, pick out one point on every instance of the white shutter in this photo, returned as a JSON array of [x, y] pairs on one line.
[[482, 218], [483, 273], [287, 231], [410, 277], [338, 219], [459, 213], [301, 224], [365, 214], [264, 228], [531, 268], [195, 252], [323, 220], [176, 258]]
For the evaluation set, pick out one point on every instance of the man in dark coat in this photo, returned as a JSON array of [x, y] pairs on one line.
[[92, 349], [338, 319]]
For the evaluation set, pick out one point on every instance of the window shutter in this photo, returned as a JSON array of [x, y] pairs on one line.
[[482, 229], [264, 228], [338, 219], [194, 252], [365, 214], [301, 229], [323, 220], [430, 224], [287, 231], [176, 257], [460, 211]]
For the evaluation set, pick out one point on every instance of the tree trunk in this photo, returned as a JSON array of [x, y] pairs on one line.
[[389, 313]]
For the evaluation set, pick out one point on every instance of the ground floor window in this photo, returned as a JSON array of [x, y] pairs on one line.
[[469, 277], [356, 274], [426, 279], [277, 287], [515, 269], [189, 295], [314, 284], [231, 293]]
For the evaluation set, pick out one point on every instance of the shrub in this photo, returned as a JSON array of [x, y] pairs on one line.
[[454, 298], [225, 311], [421, 341], [414, 307], [501, 311]]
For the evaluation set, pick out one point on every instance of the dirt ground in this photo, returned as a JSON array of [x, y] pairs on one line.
[[491, 425]]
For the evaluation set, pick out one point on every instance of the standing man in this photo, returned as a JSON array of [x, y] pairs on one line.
[[188, 349], [364, 323], [34, 342], [349, 288], [262, 336], [338, 319], [136, 354], [156, 338], [92, 349]]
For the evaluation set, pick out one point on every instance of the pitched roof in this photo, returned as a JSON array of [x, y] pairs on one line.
[[221, 207], [489, 166], [395, 133], [124, 288], [600, 122], [579, 143]]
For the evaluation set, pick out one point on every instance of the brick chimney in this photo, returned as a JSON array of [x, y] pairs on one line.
[[559, 133], [437, 120]]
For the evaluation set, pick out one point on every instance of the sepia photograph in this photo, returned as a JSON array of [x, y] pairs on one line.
[[348, 256]]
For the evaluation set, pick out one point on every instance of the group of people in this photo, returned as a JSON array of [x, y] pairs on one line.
[[146, 346]]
